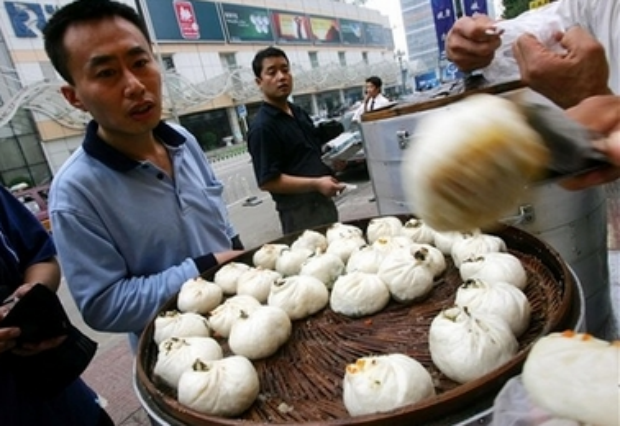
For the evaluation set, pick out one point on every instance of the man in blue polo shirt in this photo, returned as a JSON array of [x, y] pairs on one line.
[[137, 210], [286, 150]]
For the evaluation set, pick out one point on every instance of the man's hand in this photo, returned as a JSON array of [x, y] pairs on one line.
[[225, 256], [600, 114], [566, 78], [472, 42], [329, 186]]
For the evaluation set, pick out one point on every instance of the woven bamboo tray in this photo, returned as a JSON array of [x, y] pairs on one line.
[[306, 373]]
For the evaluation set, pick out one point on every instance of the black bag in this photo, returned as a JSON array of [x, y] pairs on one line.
[[328, 130], [40, 316]]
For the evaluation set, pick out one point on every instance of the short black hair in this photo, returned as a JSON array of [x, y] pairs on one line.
[[269, 52], [83, 11], [375, 81]]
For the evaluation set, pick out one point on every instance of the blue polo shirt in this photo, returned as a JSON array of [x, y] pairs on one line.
[[281, 144], [128, 235]]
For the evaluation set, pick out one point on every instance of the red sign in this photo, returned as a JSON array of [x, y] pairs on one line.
[[186, 19]]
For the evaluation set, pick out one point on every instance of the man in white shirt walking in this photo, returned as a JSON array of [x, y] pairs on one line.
[[373, 100]]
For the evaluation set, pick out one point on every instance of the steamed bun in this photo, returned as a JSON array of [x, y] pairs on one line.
[[470, 163]]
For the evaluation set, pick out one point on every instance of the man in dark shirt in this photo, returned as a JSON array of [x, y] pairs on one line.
[[286, 150]]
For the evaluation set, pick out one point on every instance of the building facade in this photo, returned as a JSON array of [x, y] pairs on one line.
[[205, 49]]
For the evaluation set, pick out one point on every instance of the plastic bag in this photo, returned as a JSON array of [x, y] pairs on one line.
[[543, 23], [513, 407]]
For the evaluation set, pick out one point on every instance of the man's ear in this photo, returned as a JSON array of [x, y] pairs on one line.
[[71, 96], [258, 81]]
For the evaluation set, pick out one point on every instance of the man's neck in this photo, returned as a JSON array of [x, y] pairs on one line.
[[280, 104]]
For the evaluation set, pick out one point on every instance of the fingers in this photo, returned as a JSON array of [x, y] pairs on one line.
[[472, 42], [7, 338], [598, 113], [29, 349], [597, 177]]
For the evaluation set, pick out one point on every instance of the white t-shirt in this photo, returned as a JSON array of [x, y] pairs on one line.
[[602, 19], [372, 104]]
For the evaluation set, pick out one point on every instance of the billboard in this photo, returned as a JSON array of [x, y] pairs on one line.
[[475, 6], [374, 34], [247, 23], [193, 21], [291, 28], [351, 32], [325, 30], [443, 15]]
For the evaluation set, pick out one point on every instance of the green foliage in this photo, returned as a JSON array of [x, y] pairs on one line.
[[514, 8]]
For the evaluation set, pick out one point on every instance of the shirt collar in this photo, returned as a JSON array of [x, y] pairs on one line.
[[274, 111], [97, 148]]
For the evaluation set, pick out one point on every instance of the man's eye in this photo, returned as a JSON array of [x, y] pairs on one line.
[[105, 73], [142, 63]]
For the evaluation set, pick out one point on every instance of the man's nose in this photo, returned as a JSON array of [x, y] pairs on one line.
[[133, 85]]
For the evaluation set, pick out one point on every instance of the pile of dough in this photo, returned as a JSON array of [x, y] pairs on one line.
[[470, 163]]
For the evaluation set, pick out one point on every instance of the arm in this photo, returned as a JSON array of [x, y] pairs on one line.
[[287, 184], [602, 115]]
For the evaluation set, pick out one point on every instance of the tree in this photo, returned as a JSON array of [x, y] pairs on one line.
[[513, 8]]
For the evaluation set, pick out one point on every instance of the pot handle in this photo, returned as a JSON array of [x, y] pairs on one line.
[[526, 215]]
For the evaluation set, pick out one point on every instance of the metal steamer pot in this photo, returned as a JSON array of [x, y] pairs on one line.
[[572, 222]]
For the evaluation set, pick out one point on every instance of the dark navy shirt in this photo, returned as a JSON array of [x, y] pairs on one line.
[[281, 144], [24, 242]]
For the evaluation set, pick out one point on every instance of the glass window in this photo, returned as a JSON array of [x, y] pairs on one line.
[[314, 59], [342, 57]]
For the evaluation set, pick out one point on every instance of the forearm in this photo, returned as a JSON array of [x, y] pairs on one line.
[[47, 273], [288, 184]]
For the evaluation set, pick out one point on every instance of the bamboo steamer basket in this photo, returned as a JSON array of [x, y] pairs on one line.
[[306, 373]]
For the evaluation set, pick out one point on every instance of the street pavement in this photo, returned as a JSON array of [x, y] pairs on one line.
[[110, 373]]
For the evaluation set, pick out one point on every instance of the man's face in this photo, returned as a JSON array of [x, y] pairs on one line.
[[371, 90], [276, 80], [116, 77]]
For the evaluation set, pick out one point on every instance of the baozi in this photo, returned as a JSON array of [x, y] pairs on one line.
[[470, 163]]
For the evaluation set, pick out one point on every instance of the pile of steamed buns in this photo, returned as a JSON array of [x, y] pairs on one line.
[[355, 274]]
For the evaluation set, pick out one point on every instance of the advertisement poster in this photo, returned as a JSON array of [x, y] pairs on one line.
[[475, 6], [373, 34], [185, 20], [443, 14], [325, 30], [291, 28], [246, 23], [351, 32], [426, 81]]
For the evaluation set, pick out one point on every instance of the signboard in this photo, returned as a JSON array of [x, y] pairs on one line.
[[186, 18], [351, 32], [443, 14], [426, 81], [196, 21], [475, 6], [28, 19], [246, 23], [325, 30], [373, 34], [450, 72], [291, 27]]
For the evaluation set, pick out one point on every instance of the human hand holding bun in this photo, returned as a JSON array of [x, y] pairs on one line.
[[470, 163]]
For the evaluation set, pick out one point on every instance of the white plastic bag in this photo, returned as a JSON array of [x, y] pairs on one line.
[[513, 407], [543, 23]]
